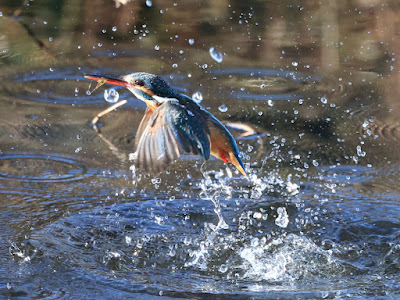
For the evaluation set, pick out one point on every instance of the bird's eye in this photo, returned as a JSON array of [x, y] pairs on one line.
[[139, 82]]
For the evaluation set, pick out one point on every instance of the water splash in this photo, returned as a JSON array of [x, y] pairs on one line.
[[215, 190], [284, 258], [212, 190], [136, 174], [283, 218], [272, 183]]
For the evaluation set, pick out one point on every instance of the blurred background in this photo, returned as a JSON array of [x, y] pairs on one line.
[[309, 89]]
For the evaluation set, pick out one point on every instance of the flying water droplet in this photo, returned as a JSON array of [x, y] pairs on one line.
[[149, 3], [324, 100], [191, 41], [257, 215], [360, 152], [223, 108], [216, 55], [223, 268], [111, 95], [114, 28], [283, 218], [197, 97]]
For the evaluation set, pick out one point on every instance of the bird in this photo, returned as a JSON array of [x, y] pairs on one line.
[[173, 124]]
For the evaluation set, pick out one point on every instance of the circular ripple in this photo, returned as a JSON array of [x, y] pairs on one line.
[[34, 167], [124, 53], [68, 86], [263, 84], [58, 86]]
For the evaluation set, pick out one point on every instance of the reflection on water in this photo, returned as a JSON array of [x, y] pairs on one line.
[[309, 91]]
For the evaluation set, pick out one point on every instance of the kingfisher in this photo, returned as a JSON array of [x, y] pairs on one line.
[[173, 124]]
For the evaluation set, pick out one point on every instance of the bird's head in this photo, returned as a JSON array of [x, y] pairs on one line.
[[145, 86]]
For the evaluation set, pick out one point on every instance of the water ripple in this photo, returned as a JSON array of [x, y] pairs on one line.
[[292, 75], [68, 86], [35, 167], [263, 84]]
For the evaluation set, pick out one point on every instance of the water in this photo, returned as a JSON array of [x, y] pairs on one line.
[[216, 55], [223, 108], [312, 102], [111, 95], [197, 96]]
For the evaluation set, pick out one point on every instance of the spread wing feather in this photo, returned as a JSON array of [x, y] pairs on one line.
[[142, 125], [171, 130]]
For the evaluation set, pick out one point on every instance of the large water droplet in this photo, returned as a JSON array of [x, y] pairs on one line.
[[191, 41], [223, 108], [216, 55], [111, 95], [149, 3], [197, 97], [283, 218]]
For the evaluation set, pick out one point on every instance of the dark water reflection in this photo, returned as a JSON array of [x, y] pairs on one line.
[[309, 90]]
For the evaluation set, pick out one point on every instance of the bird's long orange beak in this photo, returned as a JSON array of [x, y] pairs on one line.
[[106, 79]]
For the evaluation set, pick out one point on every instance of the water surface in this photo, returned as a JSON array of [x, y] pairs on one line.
[[310, 92]]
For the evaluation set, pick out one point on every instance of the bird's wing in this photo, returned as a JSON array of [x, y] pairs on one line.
[[142, 125], [171, 131]]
